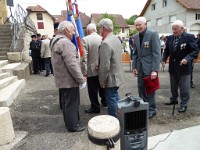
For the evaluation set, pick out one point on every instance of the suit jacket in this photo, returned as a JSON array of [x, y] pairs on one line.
[[147, 57], [45, 49], [186, 49], [110, 67], [90, 60], [35, 49], [67, 72]]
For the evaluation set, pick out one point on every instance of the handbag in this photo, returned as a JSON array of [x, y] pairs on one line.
[[151, 85]]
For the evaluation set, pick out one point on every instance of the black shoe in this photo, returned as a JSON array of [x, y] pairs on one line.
[[172, 102], [104, 104], [78, 128], [36, 73], [92, 111], [151, 115], [192, 85], [182, 109], [46, 75]]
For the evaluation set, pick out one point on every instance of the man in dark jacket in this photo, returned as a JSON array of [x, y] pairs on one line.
[[35, 54], [182, 49]]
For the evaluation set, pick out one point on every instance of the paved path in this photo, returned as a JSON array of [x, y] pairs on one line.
[[39, 124]]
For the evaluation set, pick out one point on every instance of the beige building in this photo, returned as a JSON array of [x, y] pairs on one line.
[[161, 13], [3, 11], [44, 21]]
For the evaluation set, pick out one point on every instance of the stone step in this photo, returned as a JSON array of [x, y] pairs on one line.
[[5, 42], [4, 48], [3, 63], [9, 93], [7, 81], [5, 27], [4, 75], [3, 58], [9, 67]]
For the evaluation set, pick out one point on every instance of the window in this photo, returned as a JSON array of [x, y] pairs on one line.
[[197, 16], [123, 30], [39, 16], [153, 7], [172, 18], [164, 3], [40, 25], [159, 22], [148, 23]]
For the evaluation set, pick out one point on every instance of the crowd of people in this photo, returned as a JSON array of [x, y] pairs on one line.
[[101, 65]]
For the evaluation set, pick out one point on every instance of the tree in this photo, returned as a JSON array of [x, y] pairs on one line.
[[131, 20], [116, 28]]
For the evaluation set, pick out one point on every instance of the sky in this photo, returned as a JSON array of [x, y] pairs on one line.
[[126, 8]]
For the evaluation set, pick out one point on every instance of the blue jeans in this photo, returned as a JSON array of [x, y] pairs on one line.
[[112, 97]]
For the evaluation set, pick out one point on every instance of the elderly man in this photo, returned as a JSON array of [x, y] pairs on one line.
[[146, 60], [67, 74], [110, 67], [90, 68], [46, 54], [181, 47]]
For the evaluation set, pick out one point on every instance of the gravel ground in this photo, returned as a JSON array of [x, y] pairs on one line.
[[36, 111]]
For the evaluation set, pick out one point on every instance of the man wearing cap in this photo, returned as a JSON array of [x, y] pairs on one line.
[[35, 54]]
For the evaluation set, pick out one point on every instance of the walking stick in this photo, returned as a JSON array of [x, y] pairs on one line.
[[173, 109]]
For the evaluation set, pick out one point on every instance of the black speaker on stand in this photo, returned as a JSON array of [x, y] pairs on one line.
[[133, 116]]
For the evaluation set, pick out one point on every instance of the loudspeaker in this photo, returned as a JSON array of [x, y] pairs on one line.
[[10, 3], [133, 116]]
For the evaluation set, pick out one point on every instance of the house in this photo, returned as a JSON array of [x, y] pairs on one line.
[[84, 18], [44, 21], [161, 13], [124, 32]]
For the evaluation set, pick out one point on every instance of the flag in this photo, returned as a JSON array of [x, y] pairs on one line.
[[73, 16]]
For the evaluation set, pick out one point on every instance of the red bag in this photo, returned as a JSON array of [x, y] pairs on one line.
[[151, 85]]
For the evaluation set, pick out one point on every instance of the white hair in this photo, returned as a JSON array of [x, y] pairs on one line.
[[91, 27], [178, 23], [107, 23], [141, 19], [63, 25]]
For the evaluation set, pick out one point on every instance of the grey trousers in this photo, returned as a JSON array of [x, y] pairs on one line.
[[150, 98], [183, 82], [70, 106]]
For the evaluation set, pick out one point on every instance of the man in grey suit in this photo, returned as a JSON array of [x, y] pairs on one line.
[[89, 68], [146, 60], [110, 67], [67, 74]]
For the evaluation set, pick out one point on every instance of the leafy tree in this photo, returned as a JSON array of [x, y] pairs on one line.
[[131, 20], [116, 28]]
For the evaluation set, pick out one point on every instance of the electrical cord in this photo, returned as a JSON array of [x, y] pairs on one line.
[[161, 141]]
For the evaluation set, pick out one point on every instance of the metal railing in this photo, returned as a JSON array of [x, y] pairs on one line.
[[18, 21]]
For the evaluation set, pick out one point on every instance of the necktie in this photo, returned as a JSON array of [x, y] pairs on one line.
[[175, 43]]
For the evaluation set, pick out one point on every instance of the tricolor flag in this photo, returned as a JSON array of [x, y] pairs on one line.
[[73, 15]]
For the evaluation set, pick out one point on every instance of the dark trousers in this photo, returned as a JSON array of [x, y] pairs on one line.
[[42, 63], [183, 82], [36, 64], [48, 65], [150, 98], [93, 89], [70, 103]]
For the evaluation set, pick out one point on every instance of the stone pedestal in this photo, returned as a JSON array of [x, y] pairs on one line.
[[101, 128], [6, 127]]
